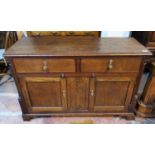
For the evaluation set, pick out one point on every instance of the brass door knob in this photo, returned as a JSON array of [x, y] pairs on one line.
[[93, 75], [92, 93], [110, 65], [62, 75], [45, 67], [64, 93]]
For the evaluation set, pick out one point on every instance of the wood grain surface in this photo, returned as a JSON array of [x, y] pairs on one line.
[[76, 46]]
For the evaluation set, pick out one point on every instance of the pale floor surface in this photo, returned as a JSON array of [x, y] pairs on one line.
[[9, 87]]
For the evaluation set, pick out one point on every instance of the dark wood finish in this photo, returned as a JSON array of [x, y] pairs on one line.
[[78, 94], [44, 65], [147, 38], [7, 38], [111, 93], [146, 107], [2, 39], [128, 116], [11, 38], [118, 64], [76, 46], [60, 76], [44, 94]]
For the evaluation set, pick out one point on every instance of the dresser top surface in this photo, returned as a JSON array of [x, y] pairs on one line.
[[76, 46]]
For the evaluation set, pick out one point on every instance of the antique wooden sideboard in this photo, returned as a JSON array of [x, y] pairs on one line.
[[77, 76]]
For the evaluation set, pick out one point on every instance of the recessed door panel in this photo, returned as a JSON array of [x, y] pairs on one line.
[[110, 93], [44, 94], [78, 94]]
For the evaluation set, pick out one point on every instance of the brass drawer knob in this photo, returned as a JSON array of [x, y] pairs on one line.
[[92, 93], [45, 67], [62, 75], [93, 75], [110, 65], [64, 93]]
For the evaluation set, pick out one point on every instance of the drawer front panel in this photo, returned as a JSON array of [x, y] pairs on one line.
[[110, 64], [44, 65]]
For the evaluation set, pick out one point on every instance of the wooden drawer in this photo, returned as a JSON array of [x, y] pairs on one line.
[[23, 65], [110, 64]]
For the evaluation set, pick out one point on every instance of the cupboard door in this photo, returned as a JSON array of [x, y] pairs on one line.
[[110, 94], [44, 94], [78, 94]]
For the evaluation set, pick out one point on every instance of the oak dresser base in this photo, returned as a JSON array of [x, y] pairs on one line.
[[77, 76]]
